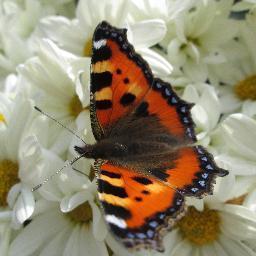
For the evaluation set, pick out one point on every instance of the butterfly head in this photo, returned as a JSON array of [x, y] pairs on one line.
[[105, 149]]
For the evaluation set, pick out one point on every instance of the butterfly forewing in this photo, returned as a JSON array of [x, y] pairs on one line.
[[120, 78]]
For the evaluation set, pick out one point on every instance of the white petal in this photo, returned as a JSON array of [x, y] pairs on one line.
[[200, 117], [183, 248], [98, 226], [57, 244], [193, 52], [219, 249], [238, 132], [203, 19], [173, 50], [82, 87], [225, 187], [229, 102], [240, 211], [148, 32], [5, 236], [236, 164], [72, 244], [5, 216], [39, 231], [89, 245], [160, 66], [249, 108], [90, 13], [228, 31], [190, 94], [197, 72], [67, 34], [17, 124], [237, 227], [171, 239], [50, 51], [209, 101], [69, 203], [234, 247], [120, 250], [24, 207], [208, 250], [250, 201], [13, 194]]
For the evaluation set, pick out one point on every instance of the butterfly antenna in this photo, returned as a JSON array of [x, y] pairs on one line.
[[57, 172], [58, 122]]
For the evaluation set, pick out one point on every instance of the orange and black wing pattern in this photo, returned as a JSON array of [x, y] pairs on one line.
[[120, 78], [139, 204], [193, 172], [173, 112], [137, 208]]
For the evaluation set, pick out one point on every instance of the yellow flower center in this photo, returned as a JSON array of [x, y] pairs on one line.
[[2, 118], [246, 89], [8, 177], [200, 227], [82, 213], [87, 52], [75, 106]]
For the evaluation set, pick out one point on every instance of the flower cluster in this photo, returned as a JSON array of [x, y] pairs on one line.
[[205, 48]]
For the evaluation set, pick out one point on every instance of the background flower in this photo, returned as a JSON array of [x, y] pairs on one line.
[[205, 48]]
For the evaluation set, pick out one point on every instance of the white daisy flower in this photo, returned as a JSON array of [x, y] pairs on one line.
[[206, 112], [28, 160], [75, 35], [16, 124], [217, 229], [164, 10], [237, 79], [235, 138], [195, 40], [19, 160], [148, 9], [55, 82], [18, 20], [81, 231], [16, 201]]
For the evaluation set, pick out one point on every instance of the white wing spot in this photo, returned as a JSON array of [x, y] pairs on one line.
[[116, 221], [99, 44]]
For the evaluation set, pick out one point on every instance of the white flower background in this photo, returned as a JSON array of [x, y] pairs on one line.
[[205, 48]]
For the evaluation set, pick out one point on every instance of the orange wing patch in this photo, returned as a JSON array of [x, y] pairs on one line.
[[120, 78], [137, 207], [173, 112], [193, 172]]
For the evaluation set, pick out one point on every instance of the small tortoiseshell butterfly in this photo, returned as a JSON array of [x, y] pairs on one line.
[[146, 162]]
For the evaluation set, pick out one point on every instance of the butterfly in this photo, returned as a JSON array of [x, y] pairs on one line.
[[146, 161]]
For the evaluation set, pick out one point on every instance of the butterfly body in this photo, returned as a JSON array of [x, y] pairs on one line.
[[146, 160], [137, 143]]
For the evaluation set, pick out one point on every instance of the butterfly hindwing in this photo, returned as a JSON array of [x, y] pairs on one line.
[[137, 208], [140, 207], [193, 172], [120, 78]]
